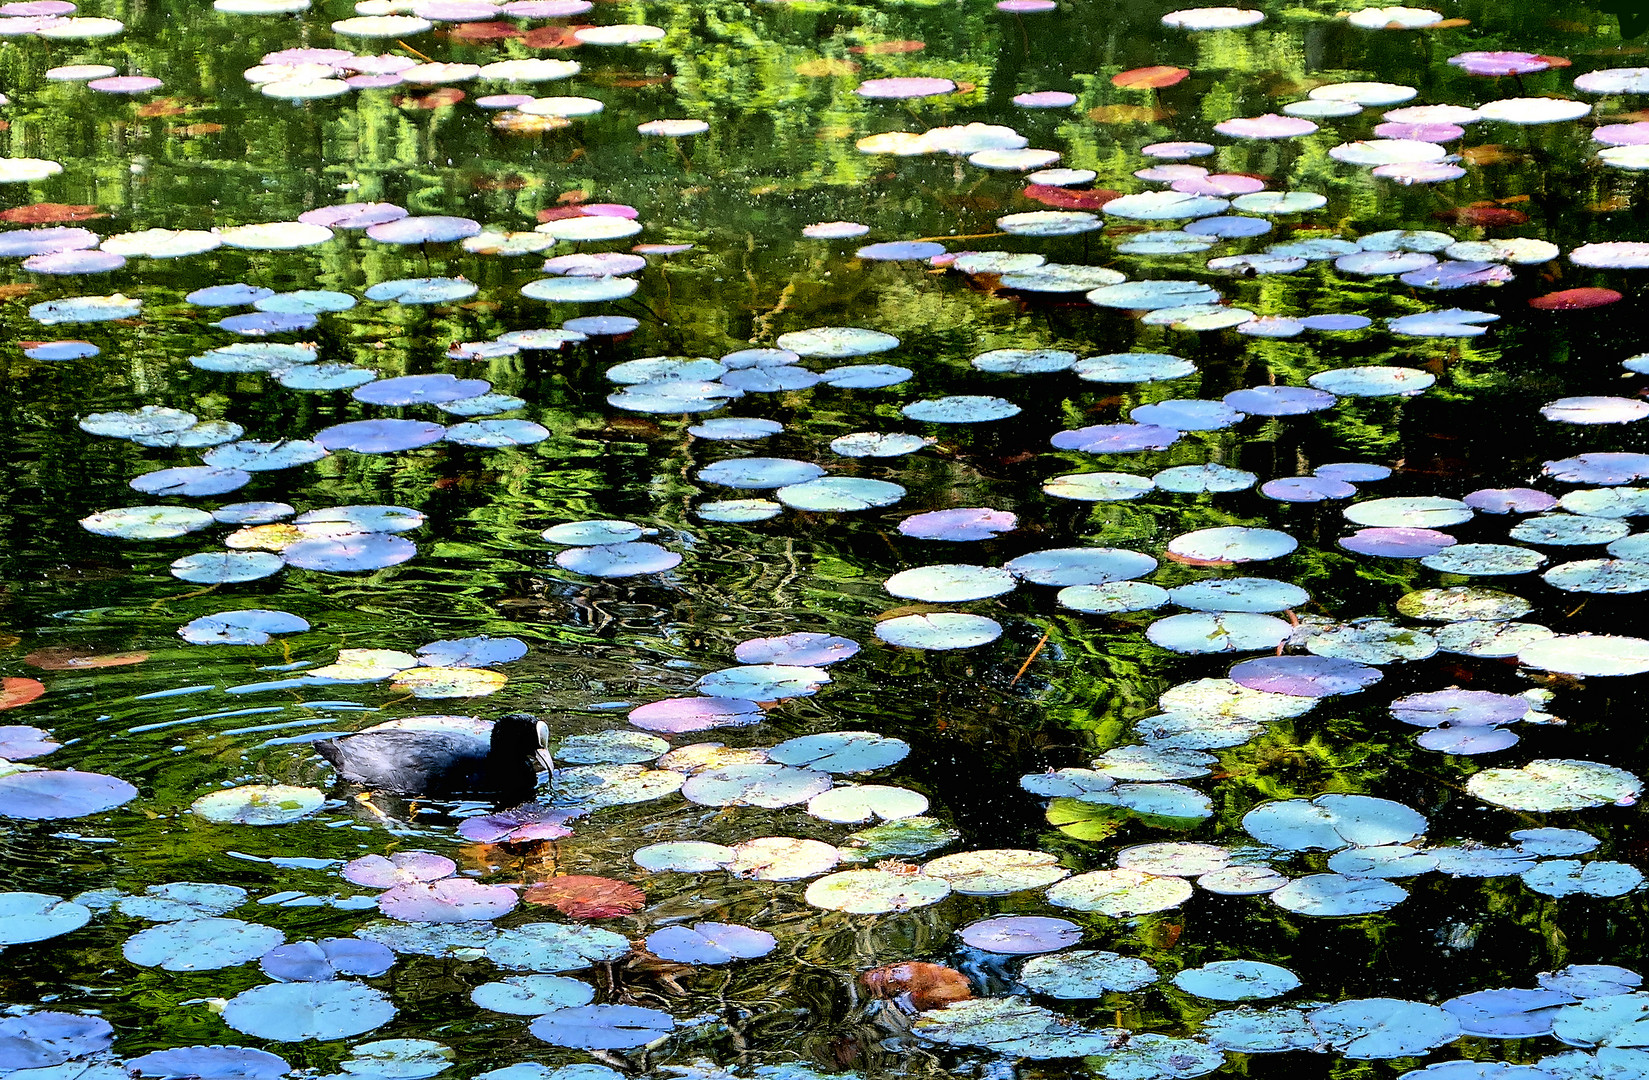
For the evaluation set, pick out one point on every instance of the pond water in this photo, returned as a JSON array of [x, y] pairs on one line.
[[1054, 538]]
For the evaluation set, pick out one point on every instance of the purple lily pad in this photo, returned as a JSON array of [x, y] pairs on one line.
[[1510, 500], [1636, 134], [545, 9], [966, 523], [60, 793], [521, 825], [320, 961], [1607, 469], [1269, 126], [61, 350], [1021, 935], [798, 649], [1432, 133], [46, 241], [1045, 99], [420, 390], [125, 84], [259, 323], [380, 436], [26, 8], [211, 1063], [1279, 400], [361, 551], [1352, 472], [1394, 543], [679, 715], [234, 294], [710, 943], [480, 651], [432, 229], [897, 250], [603, 1027], [1335, 322], [1457, 274], [1116, 438], [1305, 676], [373, 82], [42, 1039], [1229, 227], [1306, 489], [20, 741], [1500, 62], [447, 900], [402, 868], [1467, 740], [899, 89], [602, 325], [353, 215], [1459, 708]]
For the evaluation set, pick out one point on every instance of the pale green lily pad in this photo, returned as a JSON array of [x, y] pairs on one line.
[[554, 947], [1552, 784], [1620, 1021], [857, 803], [997, 872], [1462, 602], [259, 804], [614, 785], [1120, 892], [1237, 980], [532, 995], [1380, 1028], [1330, 895], [905, 837], [1570, 877], [1260, 1031], [875, 892], [1601, 655], [1085, 973], [1372, 641]]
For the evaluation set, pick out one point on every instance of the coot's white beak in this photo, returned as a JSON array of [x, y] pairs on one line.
[[545, 761]]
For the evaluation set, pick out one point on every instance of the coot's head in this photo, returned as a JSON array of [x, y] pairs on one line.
[[517, 736]]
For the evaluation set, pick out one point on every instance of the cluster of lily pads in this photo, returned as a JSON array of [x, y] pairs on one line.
[[1334, 855]]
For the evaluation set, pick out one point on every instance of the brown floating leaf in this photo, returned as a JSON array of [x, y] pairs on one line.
[[883, 48], [581, 896], [485, 31], [1067, 198], [15, 692], [435, 99], [66, 658], [1575, 299], [520, 123], [49, 213], [163, 107], [1127, 114], [825, 67], [191, 130], [1490, 154], [11, 292], [1487, 216], [552, 37], [1149, 78], [930, 986], [559, 213]]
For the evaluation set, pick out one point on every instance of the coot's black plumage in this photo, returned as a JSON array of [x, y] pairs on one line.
[[447, 765]]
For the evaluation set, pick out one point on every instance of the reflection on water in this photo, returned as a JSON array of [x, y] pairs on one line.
[[1057, 688]]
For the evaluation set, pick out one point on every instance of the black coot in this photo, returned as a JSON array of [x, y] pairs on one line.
[[447, 765]]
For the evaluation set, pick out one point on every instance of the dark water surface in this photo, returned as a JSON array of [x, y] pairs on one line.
[[775, 83]]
